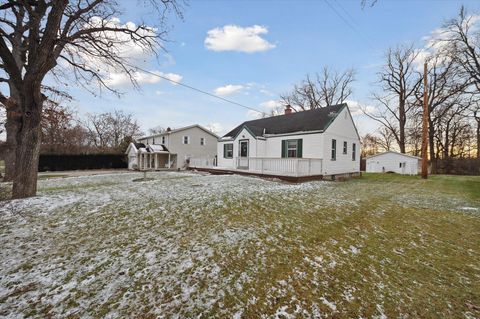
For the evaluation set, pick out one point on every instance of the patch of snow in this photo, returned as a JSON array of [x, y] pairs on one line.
[[329, 304]]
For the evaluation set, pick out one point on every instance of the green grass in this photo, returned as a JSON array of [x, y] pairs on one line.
[[381, 244]]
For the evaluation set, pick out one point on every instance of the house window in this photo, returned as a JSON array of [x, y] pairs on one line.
[[228, 150], [292, 148], [345, 146], [334, 150], [153, 140], [163, 140], [186, 140], [202, 141], [354, 151]]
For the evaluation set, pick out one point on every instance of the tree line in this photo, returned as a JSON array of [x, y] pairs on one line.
[[63, 131]]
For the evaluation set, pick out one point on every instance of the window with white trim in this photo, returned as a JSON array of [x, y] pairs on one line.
[[345, 146], [186, 140], [354, 151], [292, 148], [228, 150], [202, 141], [163, 140]]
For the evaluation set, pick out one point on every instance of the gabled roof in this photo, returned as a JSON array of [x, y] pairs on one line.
[[157, 148], [136, 147], [311, 120], [179, 130], [397, 153]]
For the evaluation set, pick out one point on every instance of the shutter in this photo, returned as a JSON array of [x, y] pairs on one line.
[[224, 150], [299, 148], [284, 148]]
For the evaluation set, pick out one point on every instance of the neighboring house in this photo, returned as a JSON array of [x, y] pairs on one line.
[[393, 162], [320, 142], [132, 154], [172, 148]]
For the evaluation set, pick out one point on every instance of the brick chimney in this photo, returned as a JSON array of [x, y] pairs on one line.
[[288, 109]]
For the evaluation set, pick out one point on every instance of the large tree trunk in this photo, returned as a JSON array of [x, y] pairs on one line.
[[403, 120], [478, 136], [9, 156], [12, 126], [28, 145], [431, 145]]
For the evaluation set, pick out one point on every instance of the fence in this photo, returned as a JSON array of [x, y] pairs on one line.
[[81, 162]]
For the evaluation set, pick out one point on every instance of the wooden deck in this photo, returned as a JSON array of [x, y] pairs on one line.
[[224, 171]]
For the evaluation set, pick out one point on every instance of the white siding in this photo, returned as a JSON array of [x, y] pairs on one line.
[[342, 129], [253, 148], [174, 143], [312, 145], [132, 158], [390, 162], [221, 161]]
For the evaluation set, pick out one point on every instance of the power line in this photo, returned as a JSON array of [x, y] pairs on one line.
[[346, 12], [348, 23], [195, 89]]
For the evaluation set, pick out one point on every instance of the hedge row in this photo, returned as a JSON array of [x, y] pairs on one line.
[[81, 162]]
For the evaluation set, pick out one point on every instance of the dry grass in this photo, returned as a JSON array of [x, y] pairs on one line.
[[220, 246]]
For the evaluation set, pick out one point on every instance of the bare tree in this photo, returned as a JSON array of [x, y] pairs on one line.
[[386, 138], [156, 130], [326, 88], [81, 37], [370, 145], [109, 130], [398, 81], [461, 42], [453, 124], [446, 90]]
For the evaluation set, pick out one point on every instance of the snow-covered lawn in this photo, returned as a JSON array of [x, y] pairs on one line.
[[186, 245]]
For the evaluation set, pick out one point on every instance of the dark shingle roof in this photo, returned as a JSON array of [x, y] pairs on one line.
[[139, 145], [311, 120]]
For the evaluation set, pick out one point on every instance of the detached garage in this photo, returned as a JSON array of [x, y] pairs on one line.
[[393, 162]]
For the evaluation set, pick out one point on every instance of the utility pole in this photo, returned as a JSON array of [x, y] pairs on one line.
[[425, 124]]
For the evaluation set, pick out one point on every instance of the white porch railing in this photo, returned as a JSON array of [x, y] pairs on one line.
[[282, 166], [266, 165], [202, 162]]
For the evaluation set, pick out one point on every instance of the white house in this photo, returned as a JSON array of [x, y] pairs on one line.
[[320, 142], [172, 148], [393, 162]]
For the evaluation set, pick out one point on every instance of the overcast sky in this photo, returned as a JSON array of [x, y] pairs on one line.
[[251, 51]]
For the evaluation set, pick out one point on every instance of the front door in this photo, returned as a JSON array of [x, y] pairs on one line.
[[243, 158]]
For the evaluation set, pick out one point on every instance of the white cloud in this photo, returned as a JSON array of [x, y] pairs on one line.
[[116, 79], [215, 127], [356, 108], [438, 40], [271, 104], [254, 114], [236, 38], [228, 89]]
